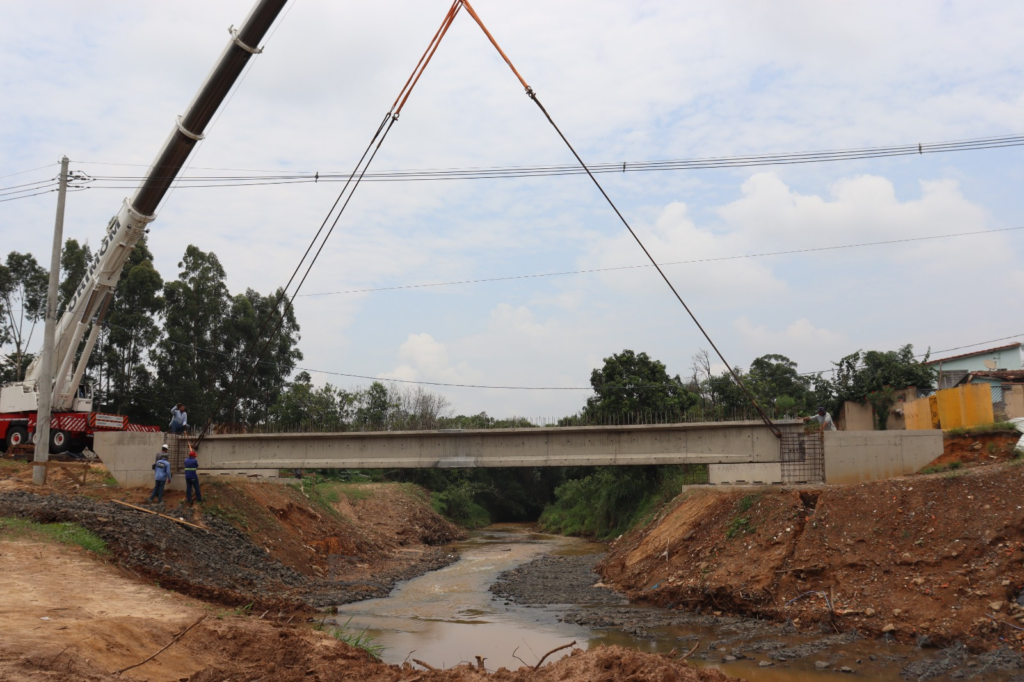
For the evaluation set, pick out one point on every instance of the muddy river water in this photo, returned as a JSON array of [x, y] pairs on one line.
[[449, 616]]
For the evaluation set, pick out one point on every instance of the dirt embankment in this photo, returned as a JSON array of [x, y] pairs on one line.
[[279, 547], [921, 559], [981, 448]]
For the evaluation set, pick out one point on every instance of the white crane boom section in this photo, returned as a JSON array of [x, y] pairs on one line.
[[87, 309]]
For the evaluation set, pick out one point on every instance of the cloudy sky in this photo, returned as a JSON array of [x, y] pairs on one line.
[[627, 81]]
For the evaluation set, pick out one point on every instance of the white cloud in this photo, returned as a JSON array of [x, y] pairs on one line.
[[859, 209], [799, 339], [626, 81], [674, 237], [424, 358]]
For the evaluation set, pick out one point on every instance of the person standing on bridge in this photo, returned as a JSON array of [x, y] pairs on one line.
[[823, 418], [179, 419], [192, 478], [162, 477]]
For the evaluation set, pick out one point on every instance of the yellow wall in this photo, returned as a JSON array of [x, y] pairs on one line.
[[1013, 396], [964, 406], [922, 414]]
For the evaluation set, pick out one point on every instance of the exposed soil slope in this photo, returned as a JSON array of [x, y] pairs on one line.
[[982, 448], [79, 619], [936, 556], [279, 546]]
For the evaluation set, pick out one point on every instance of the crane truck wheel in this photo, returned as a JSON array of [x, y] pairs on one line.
[[59, 442], [16, 435]]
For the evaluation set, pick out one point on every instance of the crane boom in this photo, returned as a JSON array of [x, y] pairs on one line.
[[88, 306]]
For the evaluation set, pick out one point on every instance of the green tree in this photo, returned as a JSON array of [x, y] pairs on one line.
[[189, 362], [124, 382], [376, 405], [253, 388], [632, 387], [863, 373], [74, 259], [300, 405], [22, 304], [773, 378]]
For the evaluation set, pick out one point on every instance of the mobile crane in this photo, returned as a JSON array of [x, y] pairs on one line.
[[73, 421]]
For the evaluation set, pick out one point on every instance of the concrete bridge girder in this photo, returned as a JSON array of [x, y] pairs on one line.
[[703, 443]]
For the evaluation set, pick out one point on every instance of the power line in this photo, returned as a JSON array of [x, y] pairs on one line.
[[648, 265], [9, 175], [270, 363], [933, 352], [277, 177]]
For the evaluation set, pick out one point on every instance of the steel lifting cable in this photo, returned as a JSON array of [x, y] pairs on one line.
[[532, 95], [358, 173]]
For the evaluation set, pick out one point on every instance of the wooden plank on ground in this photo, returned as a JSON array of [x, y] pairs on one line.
[[171, 518]]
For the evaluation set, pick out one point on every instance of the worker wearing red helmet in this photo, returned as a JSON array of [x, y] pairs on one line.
[[192, 477]]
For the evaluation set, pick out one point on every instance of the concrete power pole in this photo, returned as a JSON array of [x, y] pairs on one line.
[[45, 386]]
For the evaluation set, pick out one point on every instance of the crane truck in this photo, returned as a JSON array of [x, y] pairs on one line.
[[73, 421]]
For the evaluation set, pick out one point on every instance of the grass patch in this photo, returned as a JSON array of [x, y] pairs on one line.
[[739, 523], [231, 515], [939, 468], [994, 427], [360, 639], [747, 502], [321, 493], [64, 533], [354, 492]]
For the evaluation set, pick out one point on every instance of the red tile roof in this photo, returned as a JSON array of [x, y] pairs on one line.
[[977, 352]]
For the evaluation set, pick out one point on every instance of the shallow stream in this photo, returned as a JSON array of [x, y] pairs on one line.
[[448, 617]]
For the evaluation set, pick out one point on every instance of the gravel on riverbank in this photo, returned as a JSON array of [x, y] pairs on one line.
[[569, 582], [218, 563], [555, 580]]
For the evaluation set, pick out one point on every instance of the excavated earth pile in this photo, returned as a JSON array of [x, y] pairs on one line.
[[288, 568], [924, 560]]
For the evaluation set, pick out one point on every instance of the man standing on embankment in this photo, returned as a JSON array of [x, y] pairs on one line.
[[192, 478]]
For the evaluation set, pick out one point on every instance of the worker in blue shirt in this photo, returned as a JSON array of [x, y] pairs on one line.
[[192, 477], [162, 476]]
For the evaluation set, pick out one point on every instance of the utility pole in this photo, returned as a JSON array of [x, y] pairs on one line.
[[44, 388]]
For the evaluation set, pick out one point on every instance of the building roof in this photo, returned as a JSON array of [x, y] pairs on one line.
[[977, 352], [1010, 376]]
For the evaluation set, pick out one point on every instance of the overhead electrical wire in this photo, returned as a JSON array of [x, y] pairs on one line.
[[278, 177], [648, 265], [30, 170], [355, 178], [536, 100], [270, 363]]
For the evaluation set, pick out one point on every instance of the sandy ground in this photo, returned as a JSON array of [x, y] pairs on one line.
[[64, 614]]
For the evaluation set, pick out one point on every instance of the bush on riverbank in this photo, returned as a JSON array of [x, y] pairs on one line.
[[457, 504], [613, 500]]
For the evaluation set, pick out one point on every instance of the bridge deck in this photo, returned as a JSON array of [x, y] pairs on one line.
[[692, 443]]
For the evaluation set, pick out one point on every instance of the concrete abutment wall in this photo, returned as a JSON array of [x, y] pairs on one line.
[[859, 456]]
